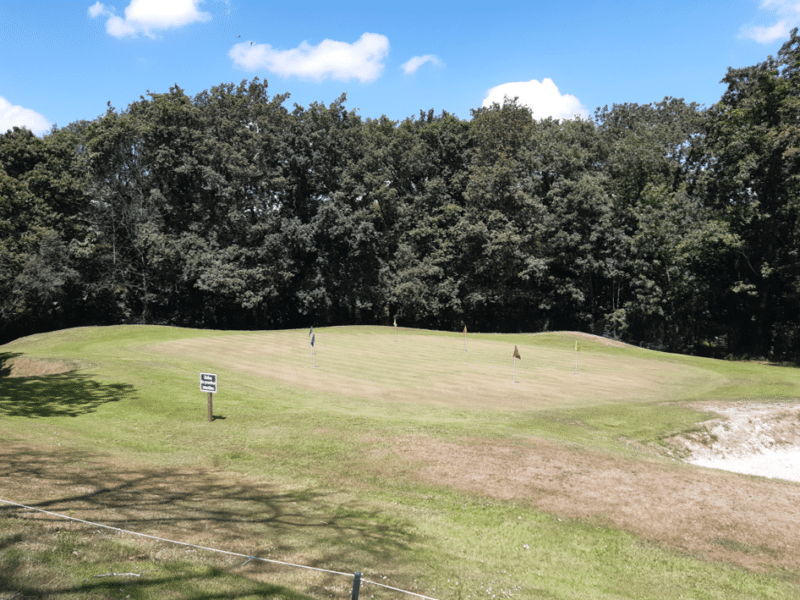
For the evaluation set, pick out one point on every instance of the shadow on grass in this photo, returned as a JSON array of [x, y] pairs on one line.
[[5, 362], [61, 395], [168, 580], [208, 508]]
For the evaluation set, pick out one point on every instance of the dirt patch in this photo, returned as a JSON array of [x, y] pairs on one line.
[[36, 367], [749, 521]]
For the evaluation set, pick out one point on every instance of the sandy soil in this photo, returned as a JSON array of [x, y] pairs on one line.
[[757, 439]]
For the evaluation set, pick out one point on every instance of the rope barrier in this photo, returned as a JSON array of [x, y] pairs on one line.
[[247, 556], [388, 587]]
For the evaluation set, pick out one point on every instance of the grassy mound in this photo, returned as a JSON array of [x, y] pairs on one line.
[[429, 463]]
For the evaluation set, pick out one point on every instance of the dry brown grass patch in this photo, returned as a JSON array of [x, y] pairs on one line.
[[746, 520], [22, 366]]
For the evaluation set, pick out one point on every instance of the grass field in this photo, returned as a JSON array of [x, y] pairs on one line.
[[419, 464]]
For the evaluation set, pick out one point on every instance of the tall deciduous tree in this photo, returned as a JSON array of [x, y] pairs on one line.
[[42, 195], [752, 178], [423, 198]]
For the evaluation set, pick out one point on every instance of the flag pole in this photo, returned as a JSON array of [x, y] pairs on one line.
[[514, 371], [576, 357], [465, 338], [395, 330]]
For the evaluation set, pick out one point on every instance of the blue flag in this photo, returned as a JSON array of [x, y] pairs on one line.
[[310, 331], [312, 340]]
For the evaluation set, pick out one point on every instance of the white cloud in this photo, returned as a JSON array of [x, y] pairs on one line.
[[147, 16], [767, 35], [362, 60], [543, 99], [11, 115], [788, 14], [415, 63], [98, 8]]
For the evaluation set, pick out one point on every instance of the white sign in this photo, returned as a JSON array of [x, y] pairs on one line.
[[208, 382]]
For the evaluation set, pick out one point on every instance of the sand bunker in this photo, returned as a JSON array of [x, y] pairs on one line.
[[775, 464], [755, 439]]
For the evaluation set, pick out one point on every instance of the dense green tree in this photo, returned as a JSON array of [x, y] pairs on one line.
[[751, 177], [663, 224], [233, 270], [424, 185], [327, 216], [666, 244], [126, 214], [42, 195], [496, 234], [677, 251], [648, 144], [186, 191], [577, 232]]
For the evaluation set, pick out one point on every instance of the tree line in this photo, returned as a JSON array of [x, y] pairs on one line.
[[667, 224]]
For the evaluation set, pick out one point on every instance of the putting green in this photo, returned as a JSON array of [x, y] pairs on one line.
[[434, 369]]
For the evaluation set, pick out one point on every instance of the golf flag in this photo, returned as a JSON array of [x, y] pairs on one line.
[[313, 339], [311, 331], [516, 353], [395, 330], [465, 338], [395, 323]]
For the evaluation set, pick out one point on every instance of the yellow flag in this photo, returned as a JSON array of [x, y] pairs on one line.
[[395, 322], [465, 330], [516, 353]]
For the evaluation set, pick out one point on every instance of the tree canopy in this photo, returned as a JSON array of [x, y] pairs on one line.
[[666, 224]]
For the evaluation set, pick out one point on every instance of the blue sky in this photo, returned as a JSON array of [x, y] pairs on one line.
[[63, 61]]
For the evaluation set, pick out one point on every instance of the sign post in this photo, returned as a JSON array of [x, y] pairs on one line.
[[208, 383]]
